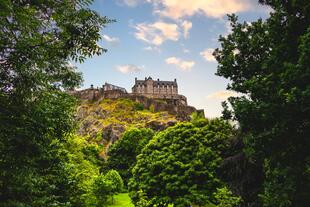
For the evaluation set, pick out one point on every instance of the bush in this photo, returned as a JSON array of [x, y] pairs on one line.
[[225, 198], [102, 190], [138, 107], [179, 165], [122, 154], [117, 181]]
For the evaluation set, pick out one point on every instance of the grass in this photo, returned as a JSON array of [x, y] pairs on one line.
[[122, 200]]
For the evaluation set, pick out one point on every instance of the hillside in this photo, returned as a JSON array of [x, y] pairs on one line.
[[105, 120]]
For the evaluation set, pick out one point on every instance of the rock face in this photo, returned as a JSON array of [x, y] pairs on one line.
[[104, 121], [112, 132], [159, 126], [182, 112]]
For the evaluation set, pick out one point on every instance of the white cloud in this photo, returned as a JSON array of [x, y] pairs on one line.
[[183, 65], [151, 48], [157, 32], [185, 50], [212, 8], [130, 3], [222, 95], [128, 68], [109, 39], [186, 25], [207, 55]]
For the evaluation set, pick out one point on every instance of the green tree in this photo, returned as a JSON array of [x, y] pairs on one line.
[[37, 41], [104, 186], [81, 169], [116, 179], [122, 154], [269, 62], [178, 166], [102, 190]]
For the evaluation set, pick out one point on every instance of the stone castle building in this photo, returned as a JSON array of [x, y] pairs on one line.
[[158, 89], [111, 87], [150, 87], [153, 89], [161, 95]]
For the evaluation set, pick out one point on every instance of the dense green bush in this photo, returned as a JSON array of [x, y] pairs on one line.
[[178, 166], [122, 154], [116, 179], [102, 191], [104, 186]]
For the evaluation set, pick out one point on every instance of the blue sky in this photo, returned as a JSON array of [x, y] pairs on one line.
[[167, 39]]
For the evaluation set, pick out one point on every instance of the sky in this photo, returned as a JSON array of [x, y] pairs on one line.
[[167, 39]]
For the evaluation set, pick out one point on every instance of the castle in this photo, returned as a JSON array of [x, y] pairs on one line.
[[157, 89], [161, 95], [152, 88]]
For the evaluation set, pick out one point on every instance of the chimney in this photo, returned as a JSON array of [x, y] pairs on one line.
[[175, 80], [136, 79], [158, 79]]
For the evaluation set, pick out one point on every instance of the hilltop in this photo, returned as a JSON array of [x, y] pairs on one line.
[[105, 113], [105, 120]]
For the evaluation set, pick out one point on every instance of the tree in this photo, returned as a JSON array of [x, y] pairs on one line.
[[81, 169], [37, 41], [268, 61], [116, 179], [105, 186], [122, 154], [102, 190], [178, 166]]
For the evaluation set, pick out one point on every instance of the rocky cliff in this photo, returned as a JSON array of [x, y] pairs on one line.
[[103, 121]]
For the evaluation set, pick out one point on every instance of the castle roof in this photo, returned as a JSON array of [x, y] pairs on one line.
[[156, 82]]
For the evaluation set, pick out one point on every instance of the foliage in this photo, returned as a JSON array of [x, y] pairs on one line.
[[37, 40], [101, 190], [142, 200], [138, 107], [81, 168], [32, 151], [225, 198], [117, 181], [269, 62], [179, 165], [198, 119], [105, 186], [122, 154]]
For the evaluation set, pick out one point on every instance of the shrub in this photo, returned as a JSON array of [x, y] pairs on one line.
[[179, 165]]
